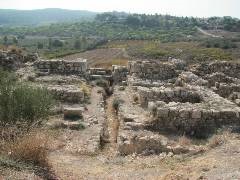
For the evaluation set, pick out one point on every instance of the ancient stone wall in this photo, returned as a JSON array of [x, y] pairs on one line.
[[66, 93], [119, 73], [193, 110], [225, 90], [187, 77], [99, 73], [152, 70], [231, 69], [178, 94], [11, 60], [78, 66], [220, 77]]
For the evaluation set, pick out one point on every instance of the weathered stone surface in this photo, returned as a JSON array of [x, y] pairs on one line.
[[70, 112], [178, 94], [66, 93], [190, 78], [78, 66], [141, 141], [152, 70], [231, 69], [210, 112], [11, 60], [119, 73]]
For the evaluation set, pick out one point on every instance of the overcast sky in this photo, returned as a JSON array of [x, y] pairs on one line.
[[199, 8]]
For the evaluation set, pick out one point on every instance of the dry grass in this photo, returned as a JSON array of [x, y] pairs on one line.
[[86, 89], [184, 141], [218, 139], [31, 147], [11, 48]]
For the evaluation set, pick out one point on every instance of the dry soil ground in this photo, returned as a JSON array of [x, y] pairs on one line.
[[103, 57]]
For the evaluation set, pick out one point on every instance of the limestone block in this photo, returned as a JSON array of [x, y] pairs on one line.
[[70, 112], [162, 112], [183, 113]]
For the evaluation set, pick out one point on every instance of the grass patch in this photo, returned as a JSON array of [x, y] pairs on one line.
[[31, 147], [189, 51]]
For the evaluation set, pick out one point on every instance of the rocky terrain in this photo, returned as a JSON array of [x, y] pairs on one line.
[[146, 120]]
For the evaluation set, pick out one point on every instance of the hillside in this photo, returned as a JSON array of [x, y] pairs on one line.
[[42, 17]]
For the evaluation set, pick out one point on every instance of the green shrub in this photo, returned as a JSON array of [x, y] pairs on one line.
[[102, 83], [116, 104], [22, 103]]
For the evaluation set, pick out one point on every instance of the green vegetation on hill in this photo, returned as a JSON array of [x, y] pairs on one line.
[[60, 39], [42, 17]]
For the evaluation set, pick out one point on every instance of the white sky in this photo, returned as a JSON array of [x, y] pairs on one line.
[[199, 8]]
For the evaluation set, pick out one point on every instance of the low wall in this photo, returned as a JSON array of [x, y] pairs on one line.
[[225, 90], [67, 93], [231, 69], [178, 94], [119, 73], [99, 73], [78, 66], [11, 60], [195, 110], [152, 70]]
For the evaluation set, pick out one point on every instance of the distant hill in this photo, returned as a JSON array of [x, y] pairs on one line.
[[9, 17]]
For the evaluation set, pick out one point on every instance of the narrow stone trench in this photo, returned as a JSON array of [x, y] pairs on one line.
[[111, 128]]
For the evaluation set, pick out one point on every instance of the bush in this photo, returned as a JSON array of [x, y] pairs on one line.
[[21, 103], [116, 104], [57, 43], [32, 147], [102, 83]]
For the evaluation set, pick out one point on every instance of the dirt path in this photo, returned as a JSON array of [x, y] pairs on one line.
[[219, 163], [208, 34], [112, 125]]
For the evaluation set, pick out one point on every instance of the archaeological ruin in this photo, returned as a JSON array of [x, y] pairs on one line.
[[156, 100]]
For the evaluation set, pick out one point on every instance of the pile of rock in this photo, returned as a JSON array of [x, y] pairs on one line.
[[78, 66]]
